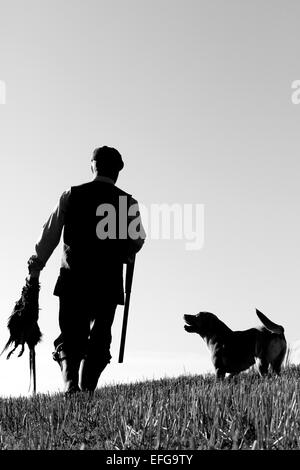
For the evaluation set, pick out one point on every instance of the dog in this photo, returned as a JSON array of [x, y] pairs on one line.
[[235, 351]]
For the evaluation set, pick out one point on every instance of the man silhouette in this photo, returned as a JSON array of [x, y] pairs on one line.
[[102, 231]]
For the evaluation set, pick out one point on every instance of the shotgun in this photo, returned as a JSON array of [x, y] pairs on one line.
[[128, 284]]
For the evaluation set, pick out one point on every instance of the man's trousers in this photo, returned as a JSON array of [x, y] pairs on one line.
[[83, 347]]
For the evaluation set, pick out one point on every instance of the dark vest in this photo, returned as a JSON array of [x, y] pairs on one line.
[[92, 266]]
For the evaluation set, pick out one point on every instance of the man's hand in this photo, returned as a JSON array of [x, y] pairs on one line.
[[34, 267], [129, 259]]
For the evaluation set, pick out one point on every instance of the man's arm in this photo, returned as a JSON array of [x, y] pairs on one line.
[[136, 231], [49, 238]]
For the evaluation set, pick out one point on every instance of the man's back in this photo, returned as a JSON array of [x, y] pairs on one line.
[[95, 243]]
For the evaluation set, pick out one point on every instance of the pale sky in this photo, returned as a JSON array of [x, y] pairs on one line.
[[196, 95]]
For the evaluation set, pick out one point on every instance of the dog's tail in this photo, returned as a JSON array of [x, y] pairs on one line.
[[269, 324]]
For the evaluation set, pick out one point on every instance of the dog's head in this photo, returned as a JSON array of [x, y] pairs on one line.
[[204, 323]]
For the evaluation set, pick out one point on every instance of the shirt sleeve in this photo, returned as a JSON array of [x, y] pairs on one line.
[[50, 235]]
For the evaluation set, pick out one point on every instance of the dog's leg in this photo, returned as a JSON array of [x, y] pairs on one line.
[[232, 375], [220, 374], [263, 366], [233, 378], [277, 363], [276, 368]]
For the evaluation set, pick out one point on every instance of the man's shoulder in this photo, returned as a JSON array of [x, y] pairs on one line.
[[81, 186], [92, 186], [122, 192]]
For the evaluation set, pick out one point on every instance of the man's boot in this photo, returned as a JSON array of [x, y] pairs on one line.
[[70, 370], [90, 372]]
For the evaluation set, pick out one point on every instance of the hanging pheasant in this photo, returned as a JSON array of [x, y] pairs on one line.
[[23, 324]]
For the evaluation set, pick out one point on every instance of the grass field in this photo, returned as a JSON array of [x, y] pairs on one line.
[[188, 412]]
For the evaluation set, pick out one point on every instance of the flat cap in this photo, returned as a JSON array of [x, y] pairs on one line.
[[108, 157]]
